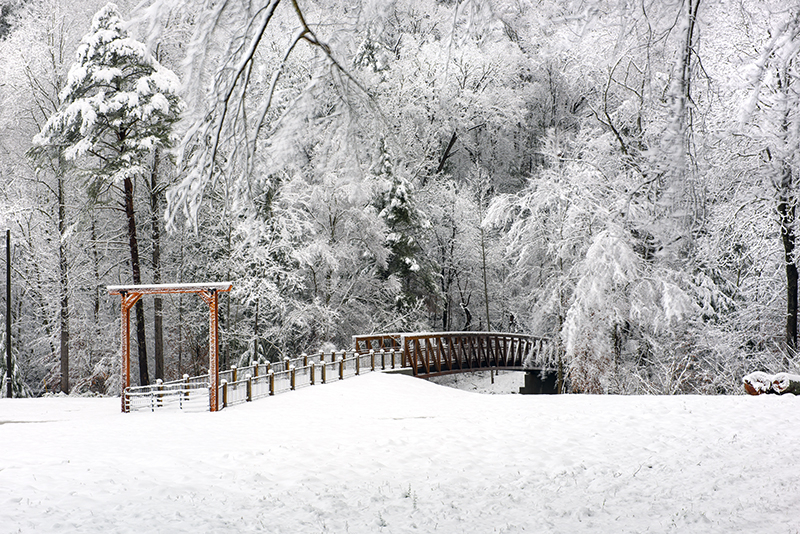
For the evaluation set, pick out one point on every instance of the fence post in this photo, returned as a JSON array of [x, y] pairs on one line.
[[305, 359], [324, 370], [341, 365], [285, 363], [224, 393], [391, 352], [311, 372], [186, 387], [358, 363], [249, 388], [372, 359], [383, 359], [291, 377], [159, 396], [255, 369], [321, 356], [271, 382]]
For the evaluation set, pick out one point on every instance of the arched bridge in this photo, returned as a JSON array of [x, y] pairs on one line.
[[437, 353], [422, 354]]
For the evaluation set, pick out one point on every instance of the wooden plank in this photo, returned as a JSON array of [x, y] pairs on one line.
[[422, 357], [450, 359]]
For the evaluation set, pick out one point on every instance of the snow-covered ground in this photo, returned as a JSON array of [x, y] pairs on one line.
[[502, 383], [391, 453]]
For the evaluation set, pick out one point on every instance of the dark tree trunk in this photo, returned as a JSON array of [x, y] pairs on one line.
[[144, 377], [447, 153], [786, 210], [155, 197], [63, 289], [96, 268]]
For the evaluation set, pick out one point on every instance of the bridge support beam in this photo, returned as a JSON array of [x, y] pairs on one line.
[[540, 382]]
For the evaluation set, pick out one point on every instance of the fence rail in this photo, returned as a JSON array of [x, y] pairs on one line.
[[243, 384], [181, 395]]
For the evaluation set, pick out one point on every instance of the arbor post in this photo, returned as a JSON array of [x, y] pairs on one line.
[[128, 300], [211, 297]]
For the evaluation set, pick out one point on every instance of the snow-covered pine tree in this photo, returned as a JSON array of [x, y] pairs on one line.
[[397, 209], [118, 106]]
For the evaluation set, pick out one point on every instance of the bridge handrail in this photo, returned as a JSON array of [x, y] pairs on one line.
[[429, 353]]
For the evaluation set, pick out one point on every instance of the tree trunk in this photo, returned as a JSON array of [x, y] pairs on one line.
[[156, 235], [786, 212], [96, 272], [446, 154], [63, 289], [144, 377]]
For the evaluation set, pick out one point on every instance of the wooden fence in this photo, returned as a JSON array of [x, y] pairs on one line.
[[244, 384]]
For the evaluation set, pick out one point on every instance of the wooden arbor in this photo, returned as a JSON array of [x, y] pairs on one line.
[[208, 292]]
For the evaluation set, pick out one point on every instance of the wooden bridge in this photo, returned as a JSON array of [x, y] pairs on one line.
[[420, 354], [437, 353]]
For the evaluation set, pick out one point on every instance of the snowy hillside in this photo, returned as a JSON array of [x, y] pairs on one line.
[[388, 453]]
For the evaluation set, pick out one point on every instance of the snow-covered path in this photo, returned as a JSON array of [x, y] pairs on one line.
[[389, 453]]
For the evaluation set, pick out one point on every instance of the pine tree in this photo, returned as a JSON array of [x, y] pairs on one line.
[[117, 108], [397, 209]]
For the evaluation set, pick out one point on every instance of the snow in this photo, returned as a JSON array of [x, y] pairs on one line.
[[759, 382], [391, 453]]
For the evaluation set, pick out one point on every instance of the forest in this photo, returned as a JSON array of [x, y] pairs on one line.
[[615, 175]]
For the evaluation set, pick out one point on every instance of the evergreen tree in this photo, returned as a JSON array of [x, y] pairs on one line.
[[117, 108], [398, 211]]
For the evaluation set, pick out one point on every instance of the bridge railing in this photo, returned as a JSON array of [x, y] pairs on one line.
[[444, 352]]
